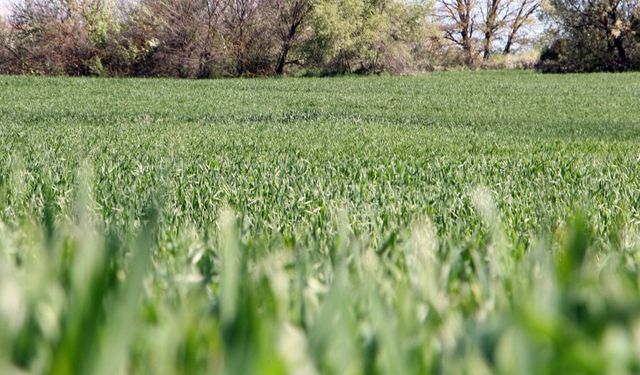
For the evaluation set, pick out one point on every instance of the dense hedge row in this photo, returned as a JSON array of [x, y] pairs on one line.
[[200, 39], [218, 38]]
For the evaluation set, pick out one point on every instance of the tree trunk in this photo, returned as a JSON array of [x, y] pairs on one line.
[[492, 25], [286, 46], [282, 59], [618, 42], [467, 43], [509, 44], [486, 45], [468, 51]]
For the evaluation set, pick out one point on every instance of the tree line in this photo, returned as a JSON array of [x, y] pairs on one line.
[[218, 38]]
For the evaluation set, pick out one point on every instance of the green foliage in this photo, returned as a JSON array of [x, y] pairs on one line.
[[338, 225], [593, 36], [366, 35], [73, 37], [206, 39]]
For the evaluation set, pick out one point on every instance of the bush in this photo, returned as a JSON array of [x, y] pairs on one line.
[[519, 61], [76, 38], [9, 59], [555, 58]]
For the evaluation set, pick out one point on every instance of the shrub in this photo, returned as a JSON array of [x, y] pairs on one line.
[[510, 61]]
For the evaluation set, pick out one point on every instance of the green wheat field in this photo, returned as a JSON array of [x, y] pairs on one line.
[[449, 223]]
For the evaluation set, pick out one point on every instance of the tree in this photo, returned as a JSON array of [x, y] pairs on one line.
[[517, 20], [478, 27], [458, 22], [594, 35], [289, 16], [506, 16], [245, 24], [366, 35], [495, 14], [178, 35]]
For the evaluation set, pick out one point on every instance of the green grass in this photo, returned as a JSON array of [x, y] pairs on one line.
[[454, 223]]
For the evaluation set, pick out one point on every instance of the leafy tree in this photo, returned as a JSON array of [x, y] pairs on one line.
[[593, 35], [365, 35]]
